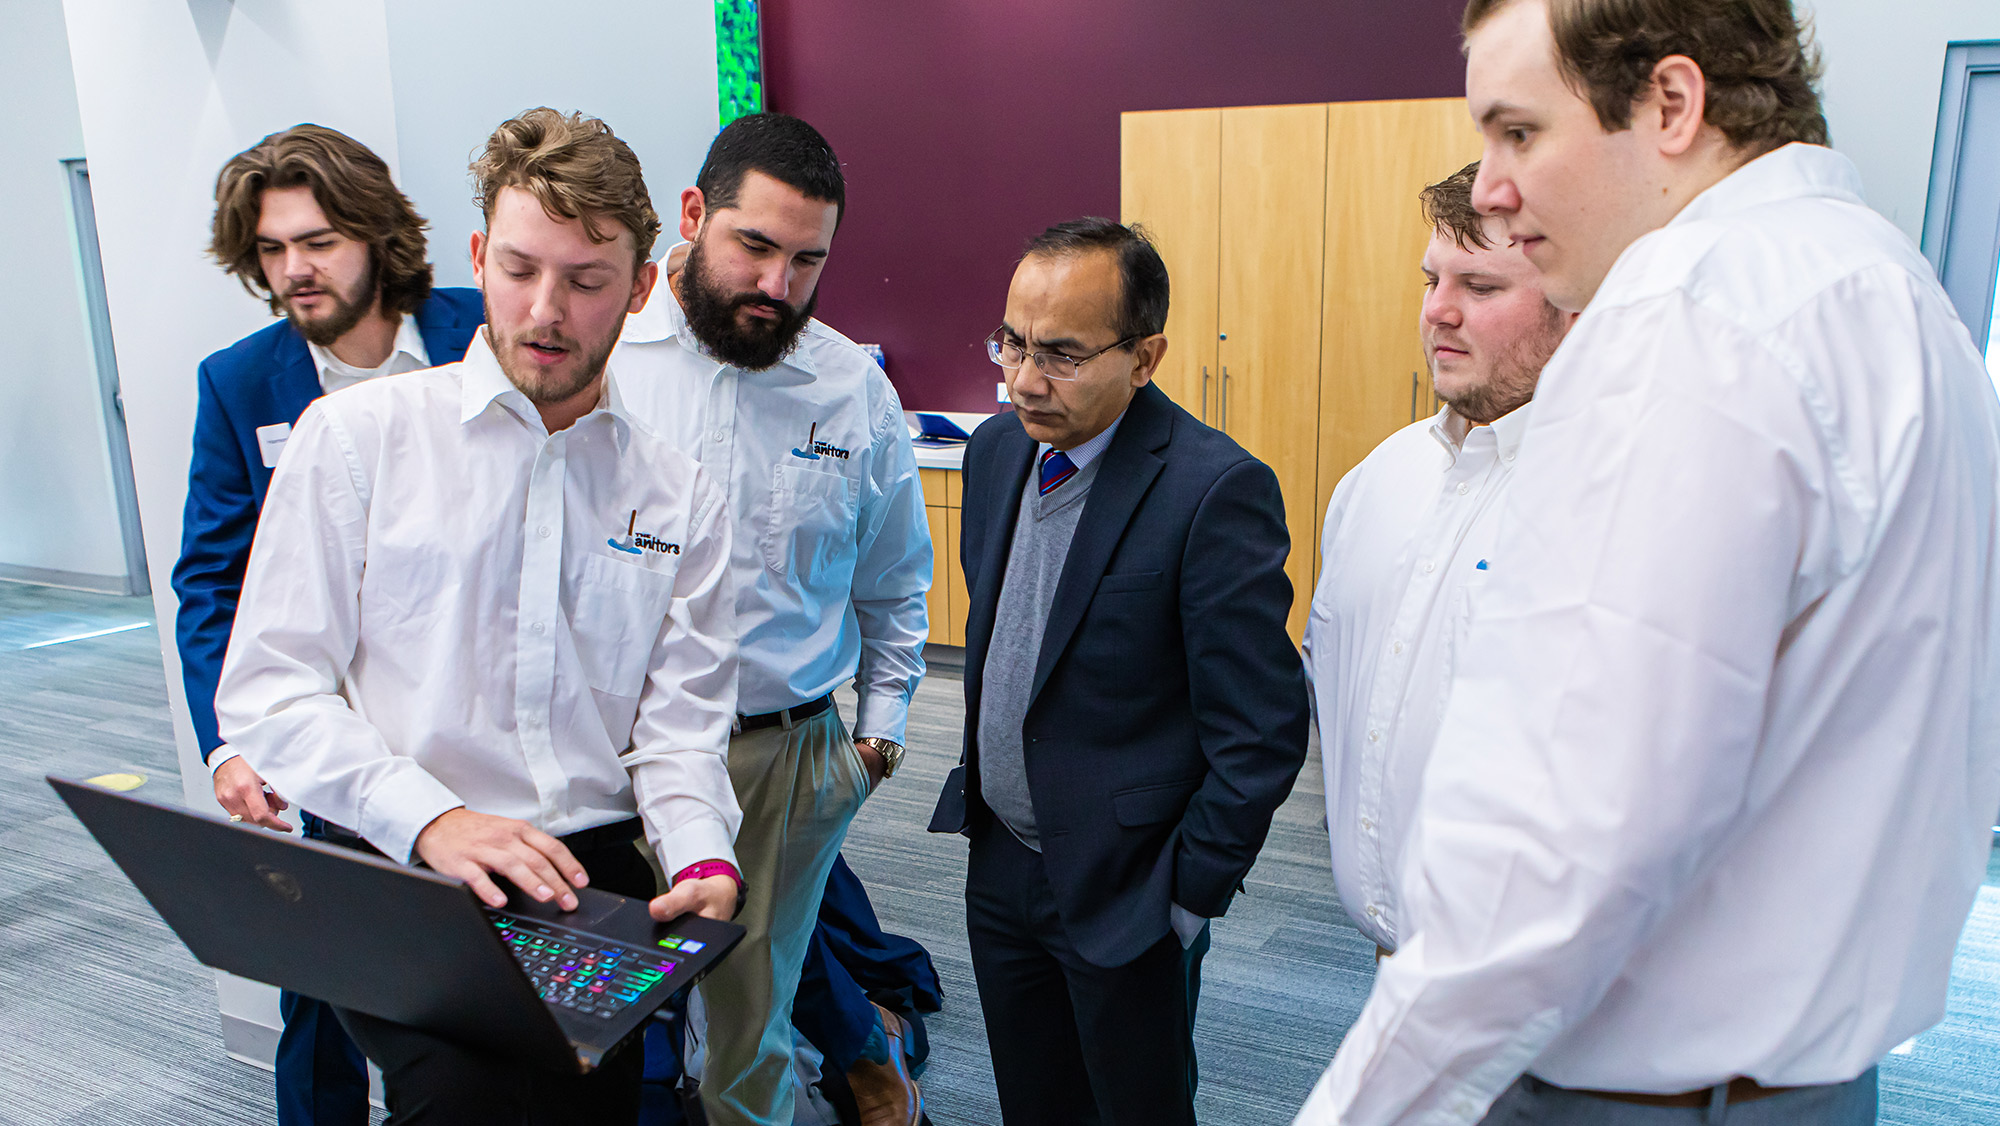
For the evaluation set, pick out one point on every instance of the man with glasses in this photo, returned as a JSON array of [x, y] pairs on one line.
[[1135, 711]]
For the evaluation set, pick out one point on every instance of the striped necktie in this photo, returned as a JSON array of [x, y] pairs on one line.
[[1056, 468]]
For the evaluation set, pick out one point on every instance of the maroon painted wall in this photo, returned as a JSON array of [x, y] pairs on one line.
[[967, 126]]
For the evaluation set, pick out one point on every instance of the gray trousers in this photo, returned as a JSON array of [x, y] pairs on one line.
[[1531, 1102]]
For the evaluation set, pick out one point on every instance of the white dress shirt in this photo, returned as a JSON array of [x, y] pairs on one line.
[[1713, 789], [833, 551], [1405, 549], [408, 354], [446, 605]]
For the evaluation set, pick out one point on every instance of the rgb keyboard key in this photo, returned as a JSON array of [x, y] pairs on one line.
[[579, 973]]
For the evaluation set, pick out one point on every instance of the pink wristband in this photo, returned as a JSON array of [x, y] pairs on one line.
[[707, 868]]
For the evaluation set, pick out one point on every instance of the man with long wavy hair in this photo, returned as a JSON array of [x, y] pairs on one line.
[[309, 220]]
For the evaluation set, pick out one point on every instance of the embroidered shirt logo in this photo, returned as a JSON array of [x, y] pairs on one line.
[[639, 543], [814, 450]]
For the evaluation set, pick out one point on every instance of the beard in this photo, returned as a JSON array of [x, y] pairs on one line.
[[1510, 377], [348, 309], [554, 383], [711, 314]]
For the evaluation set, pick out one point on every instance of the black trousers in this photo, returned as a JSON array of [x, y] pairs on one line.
[[1074, 1042], [429, 1081]]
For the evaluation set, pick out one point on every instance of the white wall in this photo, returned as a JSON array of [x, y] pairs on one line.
[[646, 68], [170, 89], [58, 513], [1884, 73]]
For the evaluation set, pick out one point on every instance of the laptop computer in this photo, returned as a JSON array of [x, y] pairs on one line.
[[530, 982], [935, 431]]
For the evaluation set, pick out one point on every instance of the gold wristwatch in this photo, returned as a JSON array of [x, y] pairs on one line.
[[890, 750]]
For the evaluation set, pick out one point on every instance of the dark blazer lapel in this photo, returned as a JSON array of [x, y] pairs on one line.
[[1130, 464], [443, 329], [294, 379], [1002, 486]]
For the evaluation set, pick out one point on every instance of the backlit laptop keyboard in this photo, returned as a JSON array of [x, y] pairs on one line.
[[589, 976]]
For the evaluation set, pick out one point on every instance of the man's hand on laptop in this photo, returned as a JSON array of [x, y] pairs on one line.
[[711, 897], [242, 793], [470, 845]]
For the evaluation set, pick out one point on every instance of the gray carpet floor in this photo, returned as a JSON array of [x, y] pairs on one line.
[[106, 1019]]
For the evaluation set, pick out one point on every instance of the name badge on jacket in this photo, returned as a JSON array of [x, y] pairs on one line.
[[271, 442]]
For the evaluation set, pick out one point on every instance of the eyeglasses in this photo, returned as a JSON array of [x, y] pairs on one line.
[[1010, 355]]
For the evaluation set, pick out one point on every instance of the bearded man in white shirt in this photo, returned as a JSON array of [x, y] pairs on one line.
[[1744, 589], [487, 620], [1406, 542], [831, 562]]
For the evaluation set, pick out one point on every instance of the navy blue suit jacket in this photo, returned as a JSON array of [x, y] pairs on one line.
[[1168, 713], [264, 379]]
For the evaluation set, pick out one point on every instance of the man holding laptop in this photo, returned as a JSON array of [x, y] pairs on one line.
[[487, 620]]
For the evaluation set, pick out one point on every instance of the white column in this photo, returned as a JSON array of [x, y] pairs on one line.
[[168, 90]]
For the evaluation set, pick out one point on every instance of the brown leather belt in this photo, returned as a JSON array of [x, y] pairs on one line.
[[1741, 1090], [786, 716]]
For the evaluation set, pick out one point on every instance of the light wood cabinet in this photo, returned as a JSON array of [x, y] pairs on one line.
[[947, 602], [1268, 328], [1292, 236], [1373, 374], [1170, 172]]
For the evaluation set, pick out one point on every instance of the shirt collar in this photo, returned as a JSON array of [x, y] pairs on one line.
[[1087, 452], [409, 340], [482, 383], [1450, 429], [1794, 171], [663, 319]]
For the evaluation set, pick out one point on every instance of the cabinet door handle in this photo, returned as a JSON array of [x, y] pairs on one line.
[[1204, 392], [1225, 398]]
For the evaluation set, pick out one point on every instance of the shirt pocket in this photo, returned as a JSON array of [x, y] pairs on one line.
[[1458, 622], [809, 531], [620, 611]]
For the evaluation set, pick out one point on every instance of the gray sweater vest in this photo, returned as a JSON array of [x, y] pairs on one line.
[[1042, 533]]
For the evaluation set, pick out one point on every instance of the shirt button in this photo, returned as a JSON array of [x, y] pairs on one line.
[[543, 531], [1374, 911], [1374, 736], [717, 436], [538, 627], [1463, 488], [1429, 567], [1510, 457], [1367, 826], [1396, 648]]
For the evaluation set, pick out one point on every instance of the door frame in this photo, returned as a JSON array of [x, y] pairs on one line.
[[1963, 62], [111, 404]]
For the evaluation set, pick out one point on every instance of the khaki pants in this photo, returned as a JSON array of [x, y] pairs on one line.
[[799, 787]]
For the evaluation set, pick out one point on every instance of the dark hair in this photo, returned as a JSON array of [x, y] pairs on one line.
[[575, 167], [350, 184], [1448, 208], [1142, 277], [780, 146], [1760, 63]]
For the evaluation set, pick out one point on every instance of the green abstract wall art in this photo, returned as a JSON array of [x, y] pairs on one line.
[[739, 59]]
